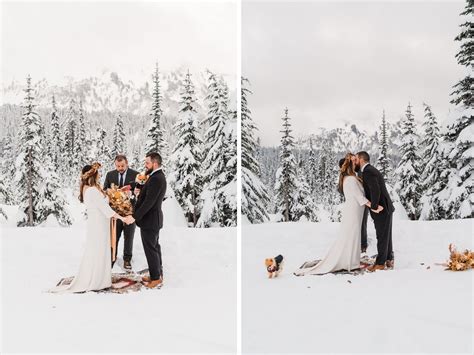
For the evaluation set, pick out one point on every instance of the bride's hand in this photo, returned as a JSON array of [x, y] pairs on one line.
[[378, 210]]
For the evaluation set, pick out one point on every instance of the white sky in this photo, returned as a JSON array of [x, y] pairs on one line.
[[56, 39], [336, 62]]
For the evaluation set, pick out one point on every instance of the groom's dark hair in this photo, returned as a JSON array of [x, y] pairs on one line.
[[155, 157], [341, 162], [364, 155]]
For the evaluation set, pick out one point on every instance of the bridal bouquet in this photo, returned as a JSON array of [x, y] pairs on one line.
[[460, 261], [119, 201]]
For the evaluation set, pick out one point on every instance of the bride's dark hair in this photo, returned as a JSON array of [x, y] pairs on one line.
[[89, 177], [346, 169]]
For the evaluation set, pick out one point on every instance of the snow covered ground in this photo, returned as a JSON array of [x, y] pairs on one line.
[[195, 311], [410, 309]]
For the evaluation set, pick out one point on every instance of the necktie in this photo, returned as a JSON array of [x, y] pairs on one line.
[[121, 180]]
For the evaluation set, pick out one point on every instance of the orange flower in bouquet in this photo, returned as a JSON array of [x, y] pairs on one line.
[[119, 201]]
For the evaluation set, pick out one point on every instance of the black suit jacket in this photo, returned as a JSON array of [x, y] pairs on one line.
[[148, 213], [375, 189], [112, 177]]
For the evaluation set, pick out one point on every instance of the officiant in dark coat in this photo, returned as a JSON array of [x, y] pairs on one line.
[[123, 176]]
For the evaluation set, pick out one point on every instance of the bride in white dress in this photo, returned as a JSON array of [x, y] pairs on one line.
[[344, 253], [95, 270]]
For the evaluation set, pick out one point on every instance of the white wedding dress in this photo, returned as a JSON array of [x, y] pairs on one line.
[[95, 271], [344, 254]]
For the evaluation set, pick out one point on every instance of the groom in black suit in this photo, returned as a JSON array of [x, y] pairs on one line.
[[149, 217], [123, 176], [376, 192]]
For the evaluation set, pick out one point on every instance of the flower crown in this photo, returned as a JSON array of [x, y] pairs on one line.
[[347, 161], [95, 166]]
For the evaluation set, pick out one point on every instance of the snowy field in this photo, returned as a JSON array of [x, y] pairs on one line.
[[410, 309], [195, 311]]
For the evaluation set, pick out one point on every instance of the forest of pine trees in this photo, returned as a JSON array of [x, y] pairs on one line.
[[47, 155]]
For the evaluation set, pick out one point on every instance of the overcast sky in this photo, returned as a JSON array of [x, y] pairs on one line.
[[336, 62], [79, 39]]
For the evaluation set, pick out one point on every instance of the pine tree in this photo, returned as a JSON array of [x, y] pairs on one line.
[[255, 197], [57, 143], [335, 197], [217, 197], [460, 135], [119, 141], [7, 170], [383, 160], [408, 169], [226, 195], [5, 194], [312, 169], [438, 208], [104, 153], [187, 155], [81, 139], [53, 201], [430, 173], [285, 186], [71, 143], [155, 138], [325, 174], [29, 171], [303, 201]]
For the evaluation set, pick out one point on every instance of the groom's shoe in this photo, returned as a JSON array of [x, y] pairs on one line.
[[154, 283], [127, 265], [390, 264], [146, 278], [375, 267]]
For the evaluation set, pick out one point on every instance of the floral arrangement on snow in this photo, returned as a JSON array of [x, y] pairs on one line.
[[140, 180], [119, 201], [460, 261]]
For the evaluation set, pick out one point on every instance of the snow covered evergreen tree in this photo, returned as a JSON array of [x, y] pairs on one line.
[[57, 143], [383, 162], [81, 139], [29, 171], [408, 169], [187, 155], [71, 143], [104, 154], [304, 207], [285, 186], [226, 195], [438, 208], [255, 197], [430, 169], [5, 193], [7, 170], [324, 186], [460, 135], [155, 137], [312, 169], [119, 141], [217, 195], [53, 200]]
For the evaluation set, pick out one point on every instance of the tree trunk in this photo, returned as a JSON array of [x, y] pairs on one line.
[[30, 190]]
